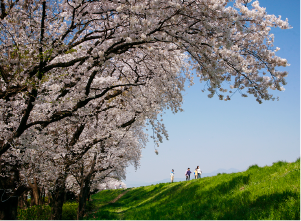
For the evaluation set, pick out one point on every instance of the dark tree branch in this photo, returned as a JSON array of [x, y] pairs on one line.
[[40, 75], [22, 126], [3, 13], [77, 134]]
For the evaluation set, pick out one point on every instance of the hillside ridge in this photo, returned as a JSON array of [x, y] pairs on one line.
[[269, 192]]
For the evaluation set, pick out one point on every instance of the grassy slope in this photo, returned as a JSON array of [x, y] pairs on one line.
[[258, 193]]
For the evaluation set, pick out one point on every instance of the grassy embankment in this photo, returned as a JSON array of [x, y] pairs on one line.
[[69, 209], [270, 192]]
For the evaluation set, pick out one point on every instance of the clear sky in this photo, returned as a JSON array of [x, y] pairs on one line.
[[238, 133]]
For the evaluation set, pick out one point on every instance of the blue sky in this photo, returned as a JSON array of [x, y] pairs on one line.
[[218, 134]]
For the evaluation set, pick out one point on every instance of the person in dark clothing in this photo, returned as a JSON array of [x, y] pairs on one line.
[[187, 174]]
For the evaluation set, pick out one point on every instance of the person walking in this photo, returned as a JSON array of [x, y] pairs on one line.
[[199, 171], [172, 175], [195, 174], [187, 174]]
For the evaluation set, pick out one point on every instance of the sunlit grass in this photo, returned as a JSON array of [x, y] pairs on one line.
[[270, 192]]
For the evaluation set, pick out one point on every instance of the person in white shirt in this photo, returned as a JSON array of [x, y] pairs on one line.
[[172, 175], [199, 171]]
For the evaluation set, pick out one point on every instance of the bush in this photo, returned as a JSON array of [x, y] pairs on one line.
[[35, 213], [28, 201], [279, 163], [69, 210], [45, 199], [255, 166], [90, 206], [44, 212]]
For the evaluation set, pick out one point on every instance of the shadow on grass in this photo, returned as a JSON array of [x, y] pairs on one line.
[[235, 182], [131, 200], [185, 202], [146, 197], [194, 200], [265, 207]]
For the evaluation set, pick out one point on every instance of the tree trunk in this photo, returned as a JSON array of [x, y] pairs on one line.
[[83, 196], [57, 199], [85, 190], [49, 197], [8, 206], [42, 196], [22, 201], [9, 190], [9, 203], [32, 201], [36, 196], [35, 193], [89, 194]]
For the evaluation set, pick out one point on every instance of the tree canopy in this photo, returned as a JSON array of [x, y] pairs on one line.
[[80, 75]]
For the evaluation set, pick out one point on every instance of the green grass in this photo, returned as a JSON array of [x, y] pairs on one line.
[[106, 196], [69, 208], [44, 212], [270, 192]]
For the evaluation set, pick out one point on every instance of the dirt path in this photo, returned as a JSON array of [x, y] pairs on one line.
[[117, 198], [112, 201]]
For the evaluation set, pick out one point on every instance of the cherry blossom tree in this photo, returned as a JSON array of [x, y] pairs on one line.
[[55, 53], [84, 152], [110, 183], [67, 147], [111, 162], [63, 61]]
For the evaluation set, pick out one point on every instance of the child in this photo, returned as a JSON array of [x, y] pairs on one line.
[[172, 175], [195, 173]]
